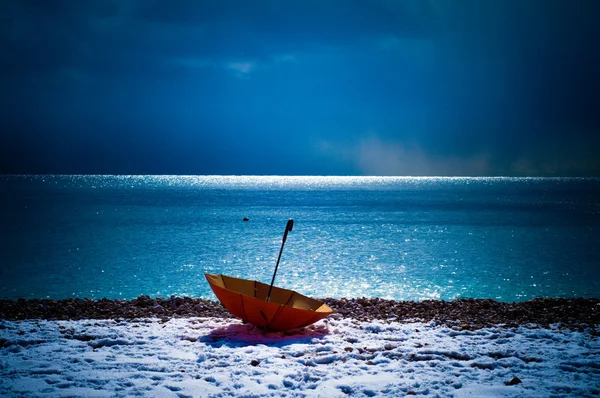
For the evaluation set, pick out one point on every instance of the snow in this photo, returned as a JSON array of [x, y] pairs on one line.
[[337, 357]]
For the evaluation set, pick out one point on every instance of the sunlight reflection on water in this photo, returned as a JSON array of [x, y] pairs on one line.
[[391, 237]]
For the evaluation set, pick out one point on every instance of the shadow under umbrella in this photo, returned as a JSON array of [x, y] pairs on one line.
[[245, 334]]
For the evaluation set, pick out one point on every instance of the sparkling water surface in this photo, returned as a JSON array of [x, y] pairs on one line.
[[510, 239]]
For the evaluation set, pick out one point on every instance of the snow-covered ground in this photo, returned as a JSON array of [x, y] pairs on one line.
[[209, 357]]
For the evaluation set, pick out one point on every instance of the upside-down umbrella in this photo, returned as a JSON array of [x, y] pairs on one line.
[[267, 306]]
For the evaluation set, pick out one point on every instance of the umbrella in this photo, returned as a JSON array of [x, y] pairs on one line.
[[267, 306]]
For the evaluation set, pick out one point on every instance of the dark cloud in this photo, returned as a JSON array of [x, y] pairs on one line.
[[320, 21], [208, 87]]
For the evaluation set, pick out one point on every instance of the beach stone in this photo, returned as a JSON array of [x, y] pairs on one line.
[[513, 381], [158, 309]]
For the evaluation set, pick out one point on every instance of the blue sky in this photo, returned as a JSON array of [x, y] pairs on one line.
[[382, 87]]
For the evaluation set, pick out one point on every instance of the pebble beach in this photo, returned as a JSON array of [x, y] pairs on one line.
[[472, 313]]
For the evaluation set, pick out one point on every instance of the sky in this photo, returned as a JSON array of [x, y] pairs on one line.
[[379, 87]]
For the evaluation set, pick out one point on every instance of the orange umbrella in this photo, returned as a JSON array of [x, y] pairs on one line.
[[265, 306], [247, 300]]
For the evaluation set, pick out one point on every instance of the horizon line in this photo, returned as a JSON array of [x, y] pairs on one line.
[[286, 175]]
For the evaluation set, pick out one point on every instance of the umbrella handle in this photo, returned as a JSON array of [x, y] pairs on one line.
[[288, 228]]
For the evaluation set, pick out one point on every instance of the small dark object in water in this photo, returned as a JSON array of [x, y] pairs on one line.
[[246, 219]]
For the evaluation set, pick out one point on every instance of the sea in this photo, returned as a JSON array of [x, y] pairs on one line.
[[402, 238]]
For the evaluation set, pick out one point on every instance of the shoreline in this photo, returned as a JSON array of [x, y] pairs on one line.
[[572, 313]]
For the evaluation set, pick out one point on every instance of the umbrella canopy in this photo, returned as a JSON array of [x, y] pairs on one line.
[[285, 309]]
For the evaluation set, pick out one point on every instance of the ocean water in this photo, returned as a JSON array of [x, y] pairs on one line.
[[510, 239]]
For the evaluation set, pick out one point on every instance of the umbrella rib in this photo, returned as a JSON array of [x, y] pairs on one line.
[[245, 319], [267, 323], [279, 311], [288, 300]]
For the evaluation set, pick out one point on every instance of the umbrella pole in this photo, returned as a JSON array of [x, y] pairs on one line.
[[288, 228]]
